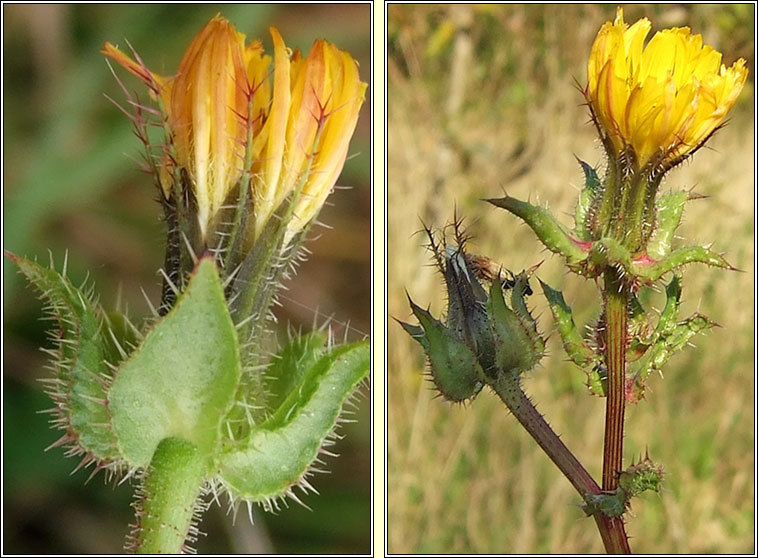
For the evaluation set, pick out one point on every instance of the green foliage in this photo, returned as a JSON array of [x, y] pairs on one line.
[[579, 351], [276, 454], [79, 388], [291, 363], [167, 407], [554, 235], [668, 337], [633, 481], [180, 382], [589, 252]]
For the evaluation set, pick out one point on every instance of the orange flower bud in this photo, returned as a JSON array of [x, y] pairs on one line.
[[231, 118]]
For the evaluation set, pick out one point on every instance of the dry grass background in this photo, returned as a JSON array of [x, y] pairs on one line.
[[483, 99]]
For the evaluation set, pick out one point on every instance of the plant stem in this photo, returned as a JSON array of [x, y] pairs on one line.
[[613, 533], [510, 392], [522, 408], [169, 496], [616, 302]]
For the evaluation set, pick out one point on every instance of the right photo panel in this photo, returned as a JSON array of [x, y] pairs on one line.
[[570, 275]]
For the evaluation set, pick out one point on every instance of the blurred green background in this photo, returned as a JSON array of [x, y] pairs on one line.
[[484, 99], [69, 185]]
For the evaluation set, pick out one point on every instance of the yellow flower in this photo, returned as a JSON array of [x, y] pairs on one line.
[[320, 107], [232, 118], [327, 95], [662, 100]]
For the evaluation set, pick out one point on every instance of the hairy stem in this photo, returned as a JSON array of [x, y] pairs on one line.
[[171, 487], [522, 408], [616, 302], [508, 389], [613, 533]]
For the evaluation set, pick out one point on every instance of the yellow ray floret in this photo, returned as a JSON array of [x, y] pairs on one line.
[[662, 99]]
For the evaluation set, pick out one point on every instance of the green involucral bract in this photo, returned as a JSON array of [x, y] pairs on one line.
[[454, 368], [577, 349], [180, 382], [589, 253], [518, 345], [79, 388], [277, 453], [669, 336]]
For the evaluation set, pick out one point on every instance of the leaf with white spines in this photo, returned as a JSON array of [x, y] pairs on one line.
[[278, 454], [79, 389]]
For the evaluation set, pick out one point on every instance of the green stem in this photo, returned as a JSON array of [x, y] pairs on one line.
[[510, 392], [616, 298], [170, 490]]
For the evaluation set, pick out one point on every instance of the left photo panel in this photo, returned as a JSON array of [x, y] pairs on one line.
[[187, 236]]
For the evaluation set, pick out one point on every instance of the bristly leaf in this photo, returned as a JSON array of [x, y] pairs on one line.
[[669, 337], [82, 376], [291, 363], [669, 209], [181, 380], [277, 453], [583, 212], [555, 236], [577, 349]]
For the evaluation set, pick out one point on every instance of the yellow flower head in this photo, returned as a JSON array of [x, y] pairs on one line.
[[232, 118], [662, 100]]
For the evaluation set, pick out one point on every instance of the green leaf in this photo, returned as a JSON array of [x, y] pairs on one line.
[[290, 365], [575, 346], [582, 213], [555, 236], [669, 209], [181, 380], [651, 270], [641, 477], [277, 453], [81, 371], [670, 312], [608, 251], [123, 335], [668, 338]]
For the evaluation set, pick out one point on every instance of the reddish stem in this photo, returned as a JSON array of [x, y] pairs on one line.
[[616, 328], [611, 529]]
